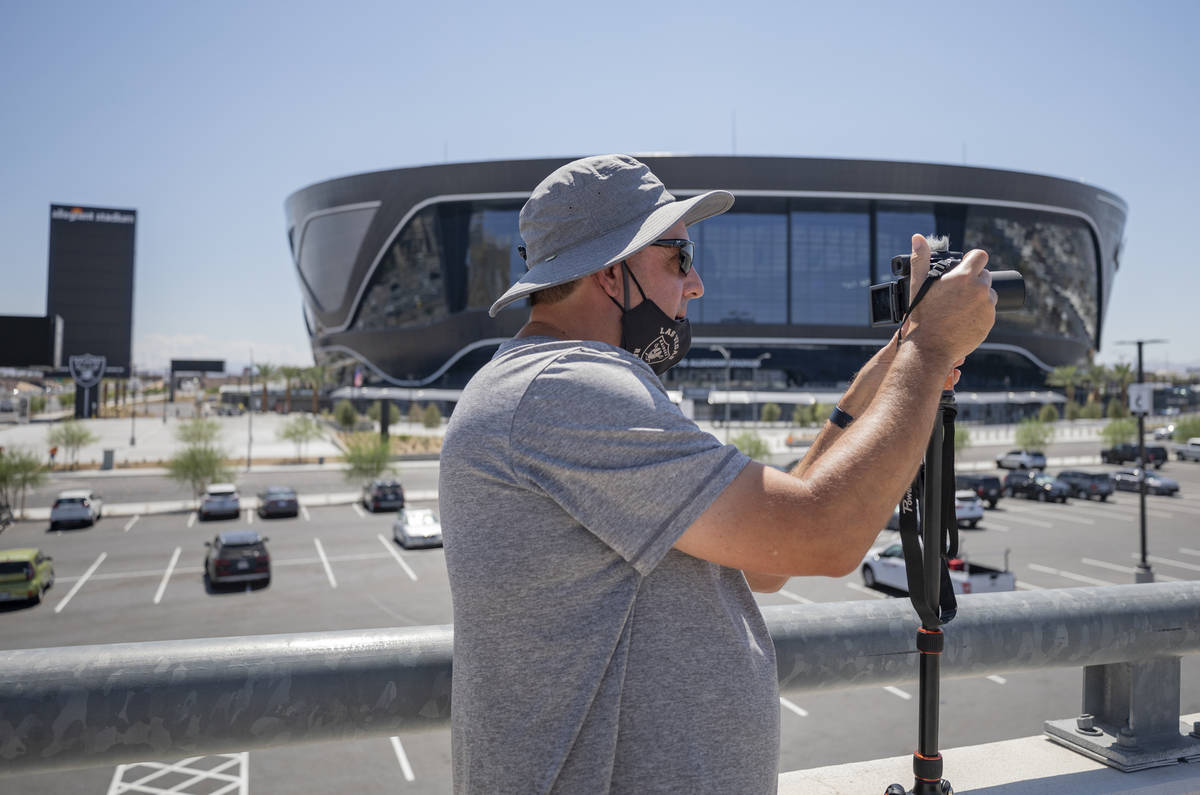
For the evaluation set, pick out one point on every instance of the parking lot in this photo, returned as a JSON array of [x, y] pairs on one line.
[[133, 579]]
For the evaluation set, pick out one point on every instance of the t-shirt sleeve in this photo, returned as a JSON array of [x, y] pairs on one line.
[[596, 433]]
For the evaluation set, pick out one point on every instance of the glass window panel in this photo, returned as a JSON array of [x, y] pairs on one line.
[[406, 288], [895, 224], [742, 258], [831, 255], [327, 252], [1057, 256], [493, 263]]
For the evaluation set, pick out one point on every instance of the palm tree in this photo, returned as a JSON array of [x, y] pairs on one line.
[[290, 373], [265, 373], [1068, 377], [1097, 380], [1122, 374], [318, 378]]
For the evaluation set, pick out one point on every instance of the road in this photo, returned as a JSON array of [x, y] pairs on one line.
[[116, 584]]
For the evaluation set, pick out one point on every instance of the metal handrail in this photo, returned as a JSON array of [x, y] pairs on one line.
[[88, 706]]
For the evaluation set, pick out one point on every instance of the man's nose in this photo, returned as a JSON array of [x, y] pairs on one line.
[[693, 285]]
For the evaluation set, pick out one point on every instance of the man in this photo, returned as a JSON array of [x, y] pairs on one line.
[[602, 549]]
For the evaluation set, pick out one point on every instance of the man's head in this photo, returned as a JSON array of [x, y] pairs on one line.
[[598, 212]]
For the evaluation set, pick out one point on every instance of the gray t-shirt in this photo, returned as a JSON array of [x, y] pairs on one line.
[[590, 656]]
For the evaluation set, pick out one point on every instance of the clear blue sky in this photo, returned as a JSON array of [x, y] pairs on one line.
[[204, 116]]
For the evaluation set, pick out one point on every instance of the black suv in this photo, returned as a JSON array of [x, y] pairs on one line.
[[1087, 484], [1034, 485], [986, 487], [1156, 456]]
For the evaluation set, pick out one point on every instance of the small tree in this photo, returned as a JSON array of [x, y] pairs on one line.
[[1074, 411], [414, 413], [751, 444], [374, 413], [37, 404], [821, 412], [1092, 410], [1048, 413], [431, 416], [300, 431], [1187, 429], [345, 415], [1119, 431], [800, 414], [1116, 409], [21, 469], [1033, 434], [962, 438], [199, 430], [771, 412], [70, 436], [199, 464], [368, 455]]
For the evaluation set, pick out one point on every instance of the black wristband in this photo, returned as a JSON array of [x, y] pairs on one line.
[[840, 418]]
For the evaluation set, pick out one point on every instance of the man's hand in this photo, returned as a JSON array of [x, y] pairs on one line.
[[956, 315]]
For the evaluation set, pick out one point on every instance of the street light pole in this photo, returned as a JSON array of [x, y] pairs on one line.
[[758, 360], [132, 410], [721, 349], [250, 412], [1143, 573]]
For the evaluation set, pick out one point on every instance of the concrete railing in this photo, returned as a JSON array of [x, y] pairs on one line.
[[87, 706]]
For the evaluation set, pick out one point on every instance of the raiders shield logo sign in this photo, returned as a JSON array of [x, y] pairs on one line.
[[662, 348], [87, 369]]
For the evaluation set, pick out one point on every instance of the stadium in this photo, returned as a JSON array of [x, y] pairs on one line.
[[397, 270]]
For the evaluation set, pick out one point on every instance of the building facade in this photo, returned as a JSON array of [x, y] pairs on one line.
[[398, 268]]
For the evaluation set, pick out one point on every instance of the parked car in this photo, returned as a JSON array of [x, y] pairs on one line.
[[80, 507], [968, 510], [1127, 480], [220, 499], [237, 556], [1189, 449], [987, 487], [25, 574], [1035, 486], [417, 527], [1165, 431], [1156, 456], [1087, 485], [885, 566], [1022, 459], [278, 501], [383, 495]]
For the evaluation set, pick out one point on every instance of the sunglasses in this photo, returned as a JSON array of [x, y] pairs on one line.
[[687, 251]]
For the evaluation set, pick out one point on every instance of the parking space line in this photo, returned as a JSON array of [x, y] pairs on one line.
[[794, 597], [405, 768], [794, 708], [325, 563], [132, 522], [1024, 520], [304, 513], [1061, 518], [79, 584], [1003, 528], [392, 548], [249, 516], [1133, 510], [1000, 680], [895, 691], [191, 518], [1024, 586], [1187, 551], [162, 586], [1103, 564], [358, 510], [864, 589], [1168, 562], [1069, 575]]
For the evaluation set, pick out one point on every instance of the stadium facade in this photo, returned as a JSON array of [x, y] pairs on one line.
[[398, 268]]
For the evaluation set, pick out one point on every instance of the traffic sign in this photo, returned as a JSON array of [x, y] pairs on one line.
[[1141, 398]]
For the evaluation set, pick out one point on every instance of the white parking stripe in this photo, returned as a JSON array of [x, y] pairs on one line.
[[1187, 551], [1003, 528], [392, 548], [358, 510], [895, 691], [325, 563], [1168, 562], [1133, 510], [864, 589], [798, 710], [1104, 564], [1000, 680], [304, 513], [91, 570], [1025, 520], [1069, 575], [405, 768], [1024, 586], [132, 522], [249, 516], [191, 518], [794, 597], [1060, 517], [162, 586]]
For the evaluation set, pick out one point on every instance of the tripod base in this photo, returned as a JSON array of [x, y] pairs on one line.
[[922, 787]]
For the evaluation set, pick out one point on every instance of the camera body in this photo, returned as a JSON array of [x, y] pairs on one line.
[[889, 300]]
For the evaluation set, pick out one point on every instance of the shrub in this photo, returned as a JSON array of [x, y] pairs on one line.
[[962, 438], [1092, 411], [300, 431], [414, 413], [801, 415], [20, 469], [431, 416], [1048, 413], [368, 455], [70, 436], [771, 412], [374, 412], [345, 415], [1119, 431], [1116, 409], [1074, 411], [1033, 434], [751, 444], [1187, 429], [198, 431]]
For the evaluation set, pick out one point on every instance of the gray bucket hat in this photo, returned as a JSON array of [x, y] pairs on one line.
[[594, 212]]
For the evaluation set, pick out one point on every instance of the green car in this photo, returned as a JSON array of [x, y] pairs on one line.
[[25, 574]]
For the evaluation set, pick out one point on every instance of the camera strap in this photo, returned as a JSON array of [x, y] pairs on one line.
[[936, 271]]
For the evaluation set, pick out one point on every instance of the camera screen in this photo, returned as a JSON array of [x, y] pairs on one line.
[[883, 308]]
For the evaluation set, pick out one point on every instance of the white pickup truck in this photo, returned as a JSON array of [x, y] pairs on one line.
[[1189, 449], [884, 565]]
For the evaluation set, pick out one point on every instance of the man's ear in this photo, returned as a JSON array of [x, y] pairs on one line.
[[609, 280]]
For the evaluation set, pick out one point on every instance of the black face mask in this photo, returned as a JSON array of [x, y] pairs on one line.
[[649, 333]]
